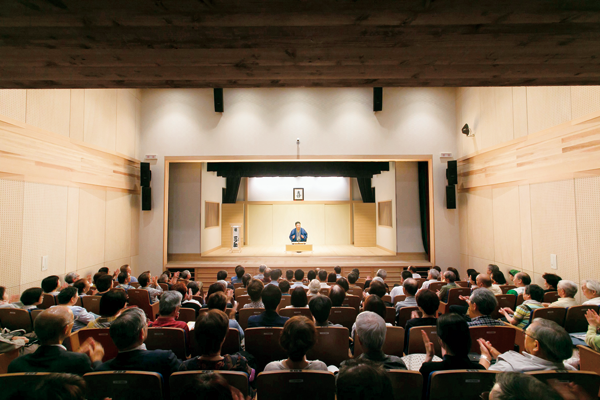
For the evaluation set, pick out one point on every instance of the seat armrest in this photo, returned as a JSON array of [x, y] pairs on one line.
[[155, 308], [442, 308]]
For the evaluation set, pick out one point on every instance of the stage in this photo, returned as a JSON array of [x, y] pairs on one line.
[[318, 250]]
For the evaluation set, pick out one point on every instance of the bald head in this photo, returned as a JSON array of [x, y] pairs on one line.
[[53, 325], [484, 281]]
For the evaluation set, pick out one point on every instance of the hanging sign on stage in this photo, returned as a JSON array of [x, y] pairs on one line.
[[235, 238], [298, 194]]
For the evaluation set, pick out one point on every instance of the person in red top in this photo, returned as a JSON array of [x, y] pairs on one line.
[[169, 305]]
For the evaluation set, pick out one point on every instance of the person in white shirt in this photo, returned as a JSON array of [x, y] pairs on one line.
[[520, 280], [484, 281], [323, 278], [566, 291], [51, 285], [399, 290], [298, 276], [432, 276], [149, 283], [591, 290], [338, 272], [261, 271], [414, 273], [4, 303]]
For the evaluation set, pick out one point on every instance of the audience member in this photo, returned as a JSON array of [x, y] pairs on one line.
[[55, 386], [592, 338], [185, 277], [511, 274], [298, 337], [246, 280], [455, 341], [51, 285], [428, 304], [271, 296], [104, 270], [311, 275], [591, 291], [547, 345], [566, 291], [255, 289], [414, 272], [533, 297], [374, 304], [382, 274], [491, 268], [357, 272], [83, 287], [289, 275], [195, 289], [484, 281], [127, 269], [239, 273], [112, 304], [222, 276], [343, 282], [473, 280], [284, 286], [124, 278], [68, 297], [299, 299], [323, 278], [361, 379], [52, 327], [320, 308], [337, 294], [168, 312], [410, 290], [261, 271], [4, 301], [331, 278], [276, 276], [456, 274], [30, 299], [338, 272], [71, 277], [482, 304], [352, 278], [164, 278], [432, 276], [104, 283], [498, 278], [209, 385], [378, 288], [471, 271], [299, 277], [516, 386], [450, 279], [218, 301], [520, 280], [266, 276], [551, 282], [186, 299], [313, 287], [128, 332], [399, 290], [370, 333], [149, 283]]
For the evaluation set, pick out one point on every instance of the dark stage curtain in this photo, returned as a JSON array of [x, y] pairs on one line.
[[423, 169]]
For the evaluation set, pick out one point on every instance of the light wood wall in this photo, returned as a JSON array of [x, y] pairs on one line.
[[68, 182], [365, 224], [529, 180], [231, 214]]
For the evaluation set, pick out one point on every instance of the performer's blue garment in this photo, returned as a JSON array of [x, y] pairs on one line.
[[293, 237]]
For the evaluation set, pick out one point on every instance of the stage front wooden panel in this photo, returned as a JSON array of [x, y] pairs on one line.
[[365, 225], [231, 214]]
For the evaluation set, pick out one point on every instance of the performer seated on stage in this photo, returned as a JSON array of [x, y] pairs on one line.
[[298, 234]]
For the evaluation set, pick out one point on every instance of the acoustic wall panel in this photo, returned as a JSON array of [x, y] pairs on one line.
[[525, 219], [507, 226], [230, 214], [126, 122], [260, 225], [77, 113], [49, 109], [584, 100], [118, 226], [547, 106], [13, 103], [481, 223], [72, 228], [11, 231], [92, 225], [365, 224], [496, 123], [520, 111], [337, 224], [587, 196], [134, 203], [100, 118], [463, 222], [470, 114]]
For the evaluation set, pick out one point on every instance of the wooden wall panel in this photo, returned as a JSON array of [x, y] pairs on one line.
[[496, 122], [100, 124], [584, 100], [520, 111], [11, 231], [92, 225], [463, 222], [337, 224], [587, 196], [547, 106], [77, 114], [44, 230], [481, 224], [49, 109], [136, 209], [260, 225], [554, 227], [365, 225], [471, 114], [13, 103], [138, 128], [525, 218], [72, 228], [507, 226], [231, 214], [311, 215], [126, 123], [117, 243]]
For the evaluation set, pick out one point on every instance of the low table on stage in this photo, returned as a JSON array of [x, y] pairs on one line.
[[298, 247]]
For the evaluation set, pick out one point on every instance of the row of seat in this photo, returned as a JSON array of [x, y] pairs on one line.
[[320, 385]]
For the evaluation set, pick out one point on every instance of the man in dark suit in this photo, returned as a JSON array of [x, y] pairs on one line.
[[271, 296], [52, 327], [128, 332]]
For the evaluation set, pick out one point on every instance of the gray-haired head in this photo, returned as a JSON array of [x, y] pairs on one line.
[[262, 268], [382, 274], [569, 287], [125, 331], [378, 279], [592, 285], [371, 331], [485, 300], [71, 277], [169, 301], [434, 274], [185, 274], [224, 284], [314, 286], [554, 340]]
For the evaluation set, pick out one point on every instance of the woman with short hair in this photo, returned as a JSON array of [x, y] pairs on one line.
[[299, 298]]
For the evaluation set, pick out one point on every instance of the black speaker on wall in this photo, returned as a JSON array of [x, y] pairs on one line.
[[146, 199], [451, 197], [452, 173], [218, 100], [145, 174], [377, 99]]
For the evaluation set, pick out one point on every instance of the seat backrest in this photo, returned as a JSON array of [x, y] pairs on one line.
[[12, 383], [575, 320], [393, 345], [186, 314], [91, 303], [246, 313], [406, 384], [387, 298], [453, 296], [317, 385], [556, 314], [354, 292], [79, 303], [420, 282], [240, 292], [506, 288], [295, 311], [242, 301], [504, 300], [404, 315], [167, 339], [123, 385], [135, 284], [285, 301], [501, 337], [230, 346], [589, 359], [15, 318], [164, 286], [332, 346], [352, 301], [588, 381], [179, 380], [263, 344], [390, 315], [360, 283], [464, 284], [415, 340], [48, 301], [520, 299], [324, 291], [34, 314], [101, 335], [238, 285], [435, 286], [399, 298], [550, 297], [141, 298], [460, 384], [344, 316]]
